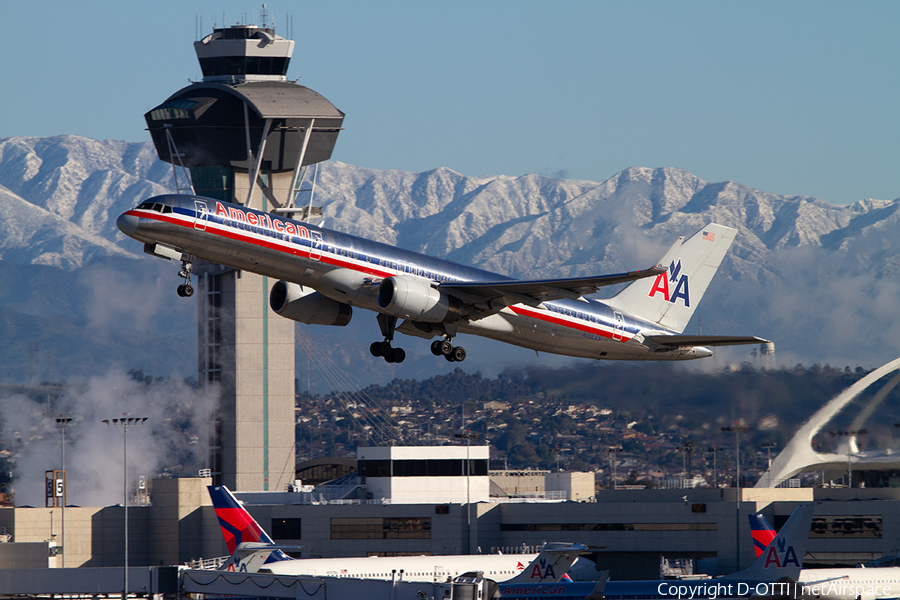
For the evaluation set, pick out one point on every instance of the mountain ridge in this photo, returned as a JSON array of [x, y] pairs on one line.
[[818, 278]]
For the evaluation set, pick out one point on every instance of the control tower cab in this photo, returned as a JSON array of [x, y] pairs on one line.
[[245, 126], [244, 53]]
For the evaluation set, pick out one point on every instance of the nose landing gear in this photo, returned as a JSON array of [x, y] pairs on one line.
[[186, 290], [446, 349]]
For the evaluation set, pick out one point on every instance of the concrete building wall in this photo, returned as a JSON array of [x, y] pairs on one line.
[[183, 522], [519, 483], [257, 385], [577, 487]]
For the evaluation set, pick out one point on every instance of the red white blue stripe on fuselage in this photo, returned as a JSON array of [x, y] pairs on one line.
[[272, 245]]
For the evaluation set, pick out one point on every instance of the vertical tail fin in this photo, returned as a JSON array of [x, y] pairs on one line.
[[763, 533], [551, 565], [238, 527], [783, 557], [671, 298]]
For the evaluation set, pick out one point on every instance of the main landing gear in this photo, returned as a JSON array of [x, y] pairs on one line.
[[186, 290], [446, 349], [384, 349], [390, 354]]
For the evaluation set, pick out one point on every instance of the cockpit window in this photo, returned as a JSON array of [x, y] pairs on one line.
[[157, 206]]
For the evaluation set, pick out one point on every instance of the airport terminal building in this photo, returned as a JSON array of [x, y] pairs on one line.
[[410, 502]]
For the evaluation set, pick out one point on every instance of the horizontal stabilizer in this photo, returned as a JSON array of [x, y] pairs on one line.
[[703, 340], [249, 557]]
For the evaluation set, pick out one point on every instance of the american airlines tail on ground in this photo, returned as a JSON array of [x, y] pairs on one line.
[[770, 575], [322, 274], [254, 551], [878, 583]]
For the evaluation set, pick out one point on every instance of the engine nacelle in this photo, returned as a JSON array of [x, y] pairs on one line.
[[305, 305], [415, 299]]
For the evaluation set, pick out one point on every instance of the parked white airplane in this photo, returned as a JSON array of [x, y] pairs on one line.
[[861, 583], [322, 273], [252, 550]]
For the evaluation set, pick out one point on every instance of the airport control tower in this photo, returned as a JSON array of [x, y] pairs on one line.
[[245, 134]]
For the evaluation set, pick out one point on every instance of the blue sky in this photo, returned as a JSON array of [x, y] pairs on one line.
[[786, 97]]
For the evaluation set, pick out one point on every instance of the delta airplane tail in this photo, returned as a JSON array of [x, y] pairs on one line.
[[670, 298], [246, 540], [551, 565], [783, 557], [763, 532]]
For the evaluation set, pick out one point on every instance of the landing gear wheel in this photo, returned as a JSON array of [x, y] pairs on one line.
[[188, 290], [397, 355], [436, 347], [180, 290], [459, 354], [446, 348], [380, 348]]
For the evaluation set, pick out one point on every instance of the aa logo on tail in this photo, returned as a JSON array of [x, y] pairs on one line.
[[542, 570], [679, 285], [778, 555]]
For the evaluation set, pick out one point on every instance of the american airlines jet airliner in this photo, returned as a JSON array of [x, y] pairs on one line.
[[323, 273]]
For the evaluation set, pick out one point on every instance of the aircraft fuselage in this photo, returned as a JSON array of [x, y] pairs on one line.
[[349, 269]]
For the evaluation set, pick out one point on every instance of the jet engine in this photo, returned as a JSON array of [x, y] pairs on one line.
[[415, 299], [305, 305]]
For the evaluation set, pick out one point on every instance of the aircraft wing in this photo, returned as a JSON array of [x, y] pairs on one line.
[[501, 293], [703, 340]]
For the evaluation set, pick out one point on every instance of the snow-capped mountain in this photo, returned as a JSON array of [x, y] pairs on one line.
[[818, 278]]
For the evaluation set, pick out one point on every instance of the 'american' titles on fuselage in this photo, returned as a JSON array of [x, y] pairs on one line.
[[435, 297]]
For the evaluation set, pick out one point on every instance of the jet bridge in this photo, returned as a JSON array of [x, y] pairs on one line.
[[254, 585]]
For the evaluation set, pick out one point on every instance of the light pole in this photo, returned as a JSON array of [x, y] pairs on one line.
[[63, 422], [737, 429], [125, 422], [849, 432], [688, 449], [768, 448], [467, 435], [715, 451], [612, 463]]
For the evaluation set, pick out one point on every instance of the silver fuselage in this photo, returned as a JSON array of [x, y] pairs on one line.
[[348, 268]]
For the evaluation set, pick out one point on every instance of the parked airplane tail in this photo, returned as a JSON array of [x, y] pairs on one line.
[[670, 298], [249, 557], [551, 565], [783, 557], [241, 532], [763, 532]]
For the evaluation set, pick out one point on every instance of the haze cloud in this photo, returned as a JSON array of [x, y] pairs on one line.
[[172, 441]]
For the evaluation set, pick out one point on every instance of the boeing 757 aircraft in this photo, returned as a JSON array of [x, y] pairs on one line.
[[323, 273]]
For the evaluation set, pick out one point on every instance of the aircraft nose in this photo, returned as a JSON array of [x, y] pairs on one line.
[[127, 224]]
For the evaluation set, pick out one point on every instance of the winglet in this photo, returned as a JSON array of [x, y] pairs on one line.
[[763, 533]]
